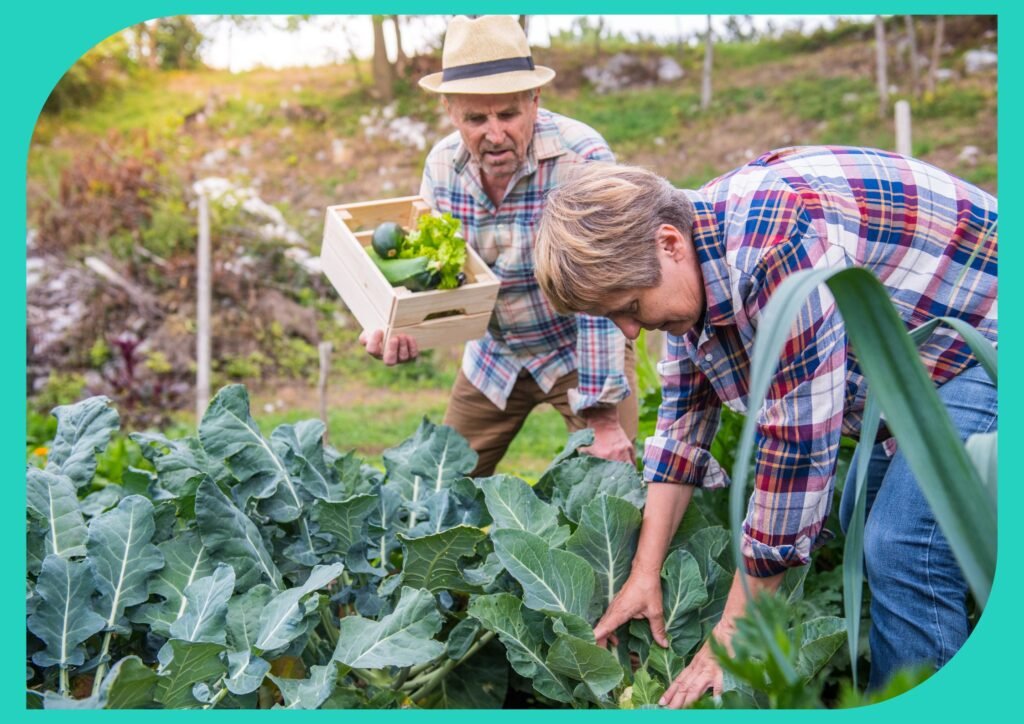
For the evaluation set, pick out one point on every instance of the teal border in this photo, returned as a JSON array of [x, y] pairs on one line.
[[43, 38]]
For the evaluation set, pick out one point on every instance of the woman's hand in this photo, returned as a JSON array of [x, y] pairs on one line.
[[702, 674], [639, 597]]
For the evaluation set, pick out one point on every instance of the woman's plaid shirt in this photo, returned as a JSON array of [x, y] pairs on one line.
[[914, 226]]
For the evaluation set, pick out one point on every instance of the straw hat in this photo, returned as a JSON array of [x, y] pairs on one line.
[[487, 55]]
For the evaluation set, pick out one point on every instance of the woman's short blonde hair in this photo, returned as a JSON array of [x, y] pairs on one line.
[[597, 233]]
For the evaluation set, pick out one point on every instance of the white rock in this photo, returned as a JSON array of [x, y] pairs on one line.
[[976, 61], [970, 155], [669, 70]]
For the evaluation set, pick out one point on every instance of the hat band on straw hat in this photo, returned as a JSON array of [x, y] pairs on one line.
[[488, 67]]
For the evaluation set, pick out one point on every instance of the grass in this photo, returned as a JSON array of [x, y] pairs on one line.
[[371, 427]]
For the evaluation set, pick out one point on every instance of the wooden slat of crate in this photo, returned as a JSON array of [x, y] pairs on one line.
[[444, 331], [369, 214], [365, 308]]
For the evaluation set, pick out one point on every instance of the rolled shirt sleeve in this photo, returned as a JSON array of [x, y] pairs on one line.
[[679, 452], [600, 360]]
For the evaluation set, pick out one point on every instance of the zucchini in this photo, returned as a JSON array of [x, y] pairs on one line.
[[415, 274], [387, 239]]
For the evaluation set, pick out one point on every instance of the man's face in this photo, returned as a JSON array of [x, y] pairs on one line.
[[675, 305], [497, 129]]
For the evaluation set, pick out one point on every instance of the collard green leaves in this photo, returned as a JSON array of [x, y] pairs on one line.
[[65, 617], [122, 557], [401, 638]]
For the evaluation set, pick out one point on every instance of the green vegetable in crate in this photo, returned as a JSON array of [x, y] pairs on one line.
[[387, 239], [416, 275], [437, 238]]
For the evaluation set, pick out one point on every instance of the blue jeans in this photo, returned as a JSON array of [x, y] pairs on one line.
[[918, 594]]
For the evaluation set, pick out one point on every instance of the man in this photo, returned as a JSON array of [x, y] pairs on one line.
[[702, 265], [493, 174]]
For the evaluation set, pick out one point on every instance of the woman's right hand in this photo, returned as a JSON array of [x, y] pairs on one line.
[[639, 597]]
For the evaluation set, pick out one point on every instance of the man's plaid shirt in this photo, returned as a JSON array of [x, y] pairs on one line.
[[914, 226], [525, 332]]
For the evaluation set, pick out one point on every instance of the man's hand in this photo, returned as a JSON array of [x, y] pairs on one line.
[[702, 674], [639, 597], [610, 440], [401, 348]]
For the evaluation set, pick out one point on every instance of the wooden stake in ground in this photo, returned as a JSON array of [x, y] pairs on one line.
[[325, 349], [904, 141], [203, 309]]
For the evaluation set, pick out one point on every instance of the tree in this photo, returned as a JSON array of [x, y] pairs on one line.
[[881, 55], [401, 59], [940, 27], [383, 72], [705, 86], [177, 43], [912, 50]]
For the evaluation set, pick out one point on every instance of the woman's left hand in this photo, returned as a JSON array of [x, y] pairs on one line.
[[702, 674]]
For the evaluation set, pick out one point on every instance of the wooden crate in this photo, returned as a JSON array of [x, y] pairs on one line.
[[434, 318]]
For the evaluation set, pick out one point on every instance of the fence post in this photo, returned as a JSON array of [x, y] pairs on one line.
[[325, 349], [203, 309], [904, 145]]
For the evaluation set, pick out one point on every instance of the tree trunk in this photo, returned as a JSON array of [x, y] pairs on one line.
[[154, 56], [881, 56], [940, 28], [912, 49], [401, 59], [705, 86], [382, 70]]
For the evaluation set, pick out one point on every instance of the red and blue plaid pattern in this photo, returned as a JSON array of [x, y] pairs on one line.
[[914, 226], [526, 333]]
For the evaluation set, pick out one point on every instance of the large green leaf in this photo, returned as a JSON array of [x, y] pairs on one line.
[[552, 580], [54, 499], [229, 433], [402, 638], [308, 693], [246, 672], [184, 664], [122, 557], [646, 690], [180, 464], [820, 639], [129, 684], [442, 457], [432, 561], [310, 470], [683, 595], [243, 617], [587, 662], [514, 506], [233, 538], [206, 608], [283, 618], [606, 539], [186, 560], [64, 617], [83, 431], [523, 638], [343, 520], [577, 481]]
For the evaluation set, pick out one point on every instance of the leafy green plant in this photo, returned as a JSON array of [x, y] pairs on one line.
[[246, 571]]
